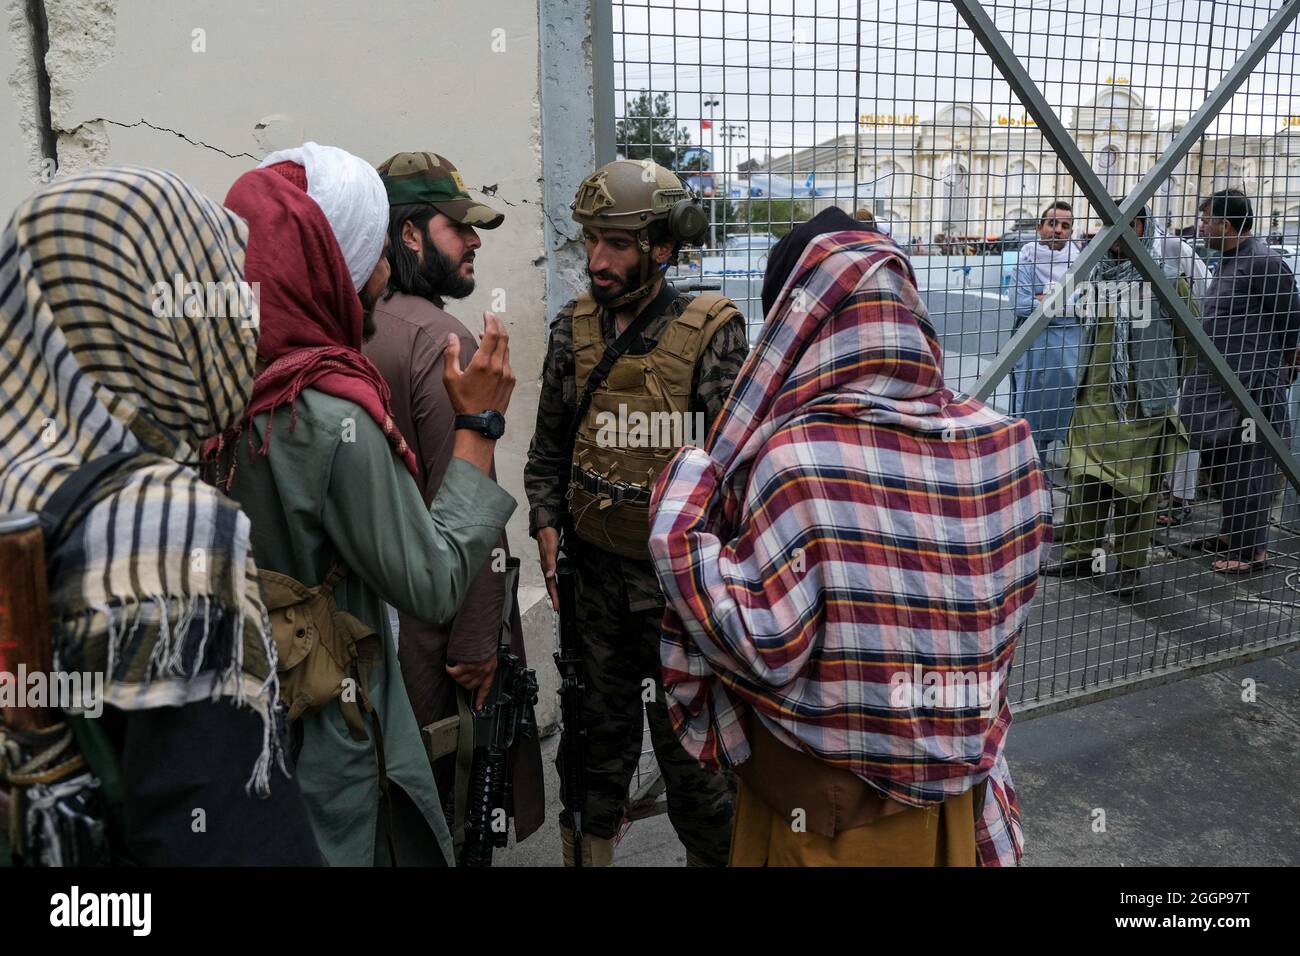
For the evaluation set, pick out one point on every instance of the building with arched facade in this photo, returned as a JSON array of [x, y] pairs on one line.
[[964, 173]]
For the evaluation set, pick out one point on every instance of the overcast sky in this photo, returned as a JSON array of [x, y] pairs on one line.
[[784, 69]]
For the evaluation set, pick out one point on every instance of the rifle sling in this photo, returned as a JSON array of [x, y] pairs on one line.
[[56, 519], [70, 493], [464, 763]]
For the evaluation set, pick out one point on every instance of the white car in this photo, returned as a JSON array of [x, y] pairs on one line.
[[759, 242], [741, 253]]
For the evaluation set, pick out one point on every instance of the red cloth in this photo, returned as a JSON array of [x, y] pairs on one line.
[[296, 173], [311, 317]]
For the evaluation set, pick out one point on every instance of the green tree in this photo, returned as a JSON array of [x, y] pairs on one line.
[[694, 164], [650, 131], [777, 216]]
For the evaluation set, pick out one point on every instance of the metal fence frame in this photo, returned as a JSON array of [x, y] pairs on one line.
[[1116, 229]]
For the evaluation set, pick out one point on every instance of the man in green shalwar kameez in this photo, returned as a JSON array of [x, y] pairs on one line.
[[1125, 432], [326, 478]]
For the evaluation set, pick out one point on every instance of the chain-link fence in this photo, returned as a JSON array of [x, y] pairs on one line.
[[1101, 202]]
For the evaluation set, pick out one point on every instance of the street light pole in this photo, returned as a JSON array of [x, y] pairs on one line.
[[730, 132], [1200, 149], [711, 102]]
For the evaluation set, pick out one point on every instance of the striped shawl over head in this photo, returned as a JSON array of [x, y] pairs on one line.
[[851, 528], [156, 586]]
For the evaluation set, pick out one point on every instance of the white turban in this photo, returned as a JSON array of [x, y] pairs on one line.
[[351, 194]]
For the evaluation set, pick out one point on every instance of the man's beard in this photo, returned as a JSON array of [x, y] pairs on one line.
[[442, 276], [603, 296]]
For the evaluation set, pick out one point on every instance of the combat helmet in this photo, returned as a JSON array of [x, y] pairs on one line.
[[631, 194]]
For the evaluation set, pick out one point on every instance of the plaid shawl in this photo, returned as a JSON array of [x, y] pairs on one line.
[[850, 529], [156, 586]]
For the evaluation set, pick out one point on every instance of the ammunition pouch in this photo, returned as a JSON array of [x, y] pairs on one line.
[[322, 653], [613, 515]]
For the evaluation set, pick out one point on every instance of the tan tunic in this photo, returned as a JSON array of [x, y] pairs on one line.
[[407, 347]]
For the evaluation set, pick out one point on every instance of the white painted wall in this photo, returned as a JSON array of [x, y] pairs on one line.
[[207, 87]]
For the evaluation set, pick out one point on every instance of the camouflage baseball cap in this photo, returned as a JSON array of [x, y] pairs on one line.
[[431, 179]]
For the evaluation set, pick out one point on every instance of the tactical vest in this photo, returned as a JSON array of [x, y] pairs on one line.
[[637, 420]]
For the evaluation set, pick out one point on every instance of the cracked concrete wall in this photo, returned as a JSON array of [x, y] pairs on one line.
[[82, 45], [206, 88], [20, 112]]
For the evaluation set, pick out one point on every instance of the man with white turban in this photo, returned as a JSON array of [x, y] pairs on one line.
[[326, 478]]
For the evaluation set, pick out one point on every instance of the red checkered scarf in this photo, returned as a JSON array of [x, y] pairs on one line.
[[311, 317], [849, 521]]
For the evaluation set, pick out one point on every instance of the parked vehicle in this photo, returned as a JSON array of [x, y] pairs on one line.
[[1013, 239], [1288, 235], [742, 252], [750, 241]]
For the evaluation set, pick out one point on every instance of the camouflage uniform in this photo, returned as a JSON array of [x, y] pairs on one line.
[[620, 606]]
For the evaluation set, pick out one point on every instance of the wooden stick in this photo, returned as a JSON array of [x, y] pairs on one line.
[[24, 613]]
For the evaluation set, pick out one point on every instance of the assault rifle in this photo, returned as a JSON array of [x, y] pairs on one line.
[[568, 661], [54, 802], [507, 715]]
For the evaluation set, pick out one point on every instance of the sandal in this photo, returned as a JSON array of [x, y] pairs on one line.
[[1172, 516], [1242, 567]]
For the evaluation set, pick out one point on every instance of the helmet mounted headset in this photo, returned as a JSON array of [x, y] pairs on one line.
[[631, 194]]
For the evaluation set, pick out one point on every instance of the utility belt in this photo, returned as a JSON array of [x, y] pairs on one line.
[[616, 491], [612, 515]]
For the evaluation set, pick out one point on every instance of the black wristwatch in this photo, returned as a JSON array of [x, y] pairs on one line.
[[489, 424]]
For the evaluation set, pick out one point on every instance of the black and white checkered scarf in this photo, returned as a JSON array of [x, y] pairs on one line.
[[156, 587]]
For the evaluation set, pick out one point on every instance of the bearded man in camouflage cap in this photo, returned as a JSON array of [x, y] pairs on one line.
[[669, 358], [432, 244]]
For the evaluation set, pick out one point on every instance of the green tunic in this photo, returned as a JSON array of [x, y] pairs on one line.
[[332, 486], [1132, 457]]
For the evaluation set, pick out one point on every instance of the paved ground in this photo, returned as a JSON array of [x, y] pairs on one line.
[[1187, 774]]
